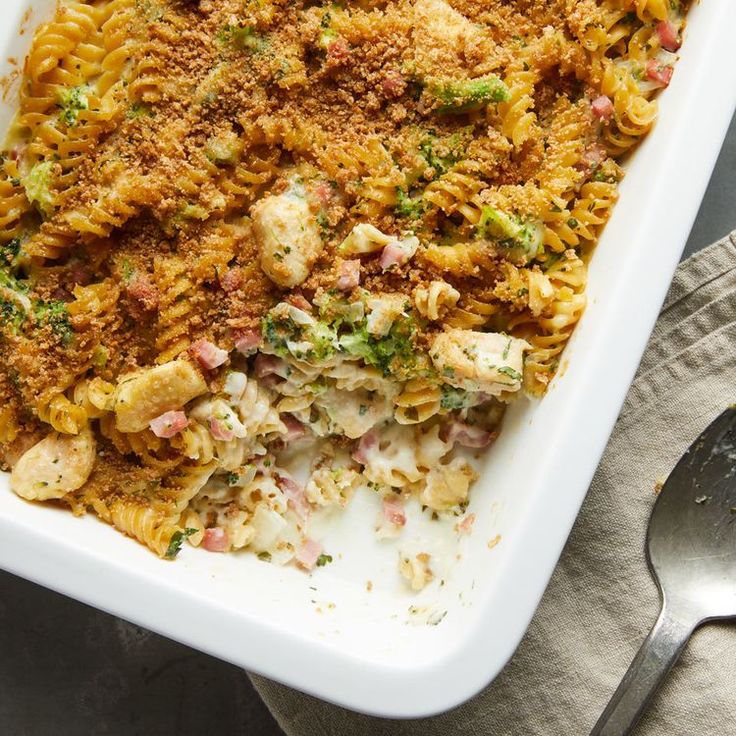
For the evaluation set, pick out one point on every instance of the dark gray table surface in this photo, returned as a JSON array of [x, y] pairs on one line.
[[69, 670]]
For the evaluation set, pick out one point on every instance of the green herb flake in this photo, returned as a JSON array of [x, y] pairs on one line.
[[264, 556], [510, 372], [453, 398], [177, 538], [323, 560]]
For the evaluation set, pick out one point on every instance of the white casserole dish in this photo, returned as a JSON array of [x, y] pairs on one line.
[[364, 652]]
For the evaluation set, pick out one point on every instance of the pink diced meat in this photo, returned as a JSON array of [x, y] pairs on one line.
[[393, 510], [169, 424], [602, 107], [368, 442], [466, 435], [348, 275], [324, 193], [308, 554], [338, 53], [143, 291], [466, 525], [248, 342], [393, 255], [220, 430], [659, 73], [393, 84], [294, 428], [295, 495], [216, 540], [668, 37], [232, 279], [207, 354]]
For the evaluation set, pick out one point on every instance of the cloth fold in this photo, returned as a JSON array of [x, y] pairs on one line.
[[601, 600]]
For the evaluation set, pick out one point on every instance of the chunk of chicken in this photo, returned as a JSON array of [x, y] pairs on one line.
[[383, 311], [55, 466], [448, 485], [154, 391], [479, 361], [289, 238]]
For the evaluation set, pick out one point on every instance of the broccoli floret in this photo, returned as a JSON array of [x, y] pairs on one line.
[[392, 353], [138, 109], [55, 314], [38, 187], [244, 37], [442, 154], [406, 206], [223, 149], [469, 94], [521, 239], [453, 398], [11, 315], [9, 252], [279, 331], [71, 102]]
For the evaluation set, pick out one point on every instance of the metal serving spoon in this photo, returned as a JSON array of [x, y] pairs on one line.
[[691, 549]]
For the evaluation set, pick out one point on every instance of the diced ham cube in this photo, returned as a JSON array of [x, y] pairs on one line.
[[338, 53], [232, 280], [393, 84], [466, 525], [668, 37], [466, 435], [324, 193], [220, 430], [308, 554], [295, 430], [169, 424], [368, 443], [348, 275], [602, 107], [215, 540], [143, 291], [393, 510], [394, 255], [295, 494], [659, 73], [207, 354], [248, 342]]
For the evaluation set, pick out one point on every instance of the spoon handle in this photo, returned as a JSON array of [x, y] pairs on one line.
[[653, 661]]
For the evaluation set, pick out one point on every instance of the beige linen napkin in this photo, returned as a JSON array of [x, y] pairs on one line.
[[602, 601]]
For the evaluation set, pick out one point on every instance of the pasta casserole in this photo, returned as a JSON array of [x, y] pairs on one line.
[[243, 237]]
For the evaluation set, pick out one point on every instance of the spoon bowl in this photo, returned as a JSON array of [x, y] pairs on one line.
[[691, 550]]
